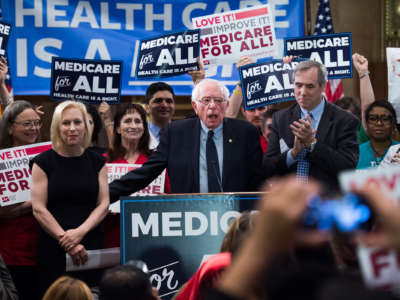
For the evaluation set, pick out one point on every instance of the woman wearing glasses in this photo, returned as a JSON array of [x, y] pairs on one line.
[[19, 126], [380, 118]]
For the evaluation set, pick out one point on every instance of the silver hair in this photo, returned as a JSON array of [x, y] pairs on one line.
[[308, 64], [197, 87]]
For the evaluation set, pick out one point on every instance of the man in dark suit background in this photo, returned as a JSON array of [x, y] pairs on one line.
[[228, 160], [312, 135]]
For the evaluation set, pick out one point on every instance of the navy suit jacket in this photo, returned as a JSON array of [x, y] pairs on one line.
[[336, 148], [179, 151]]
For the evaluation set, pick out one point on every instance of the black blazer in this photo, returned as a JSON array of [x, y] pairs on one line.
[[336, 148], [179, 151]]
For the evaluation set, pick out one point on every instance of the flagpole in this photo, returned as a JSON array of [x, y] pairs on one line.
[[308, 17]]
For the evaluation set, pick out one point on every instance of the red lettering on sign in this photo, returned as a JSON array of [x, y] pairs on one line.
[[377, 263]]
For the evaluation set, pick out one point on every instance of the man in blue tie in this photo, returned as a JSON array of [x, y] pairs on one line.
[[312, 137]]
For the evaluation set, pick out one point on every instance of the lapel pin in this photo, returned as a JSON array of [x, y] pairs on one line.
[[230, 141]]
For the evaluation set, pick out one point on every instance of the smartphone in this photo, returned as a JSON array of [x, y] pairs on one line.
[[346, 214]]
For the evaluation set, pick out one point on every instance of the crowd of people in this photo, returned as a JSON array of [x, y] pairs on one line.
[[307, 144]]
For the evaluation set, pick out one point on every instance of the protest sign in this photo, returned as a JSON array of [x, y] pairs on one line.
[[332, 50], [393, 61], [225, 37], [15, 175], [380, 268], [174, 233], [111, 30], [4, 34], [168, 55], [91, 81], [116, 171], [266, 83]]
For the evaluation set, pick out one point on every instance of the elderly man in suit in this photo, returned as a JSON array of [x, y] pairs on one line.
[[210, 153], [313, 137]]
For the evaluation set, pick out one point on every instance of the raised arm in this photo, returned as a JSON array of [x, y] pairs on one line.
[[199, 74], [366, 91], [5, 97], [236, 98]]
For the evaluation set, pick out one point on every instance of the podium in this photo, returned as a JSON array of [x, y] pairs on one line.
[[173, 234]]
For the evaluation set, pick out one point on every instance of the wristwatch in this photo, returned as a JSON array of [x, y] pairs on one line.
[[312, 144]]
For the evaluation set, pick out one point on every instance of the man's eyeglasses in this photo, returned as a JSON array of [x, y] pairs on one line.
[[30, 124], [208, 100], [384, 119], [160, 100]]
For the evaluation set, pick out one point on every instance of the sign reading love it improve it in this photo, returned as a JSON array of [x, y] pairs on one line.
[[225, 37], [267, 83], [168, 55], [15, 175], [91, 81], [4, 35], [332, 50]]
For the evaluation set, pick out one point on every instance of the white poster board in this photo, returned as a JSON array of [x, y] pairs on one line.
[[225, 37], [15, 175]]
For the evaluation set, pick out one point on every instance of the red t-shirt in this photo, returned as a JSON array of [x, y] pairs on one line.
[[264, 144]]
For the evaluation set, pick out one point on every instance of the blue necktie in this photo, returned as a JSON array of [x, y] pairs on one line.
[[212, 165], [303, 165]]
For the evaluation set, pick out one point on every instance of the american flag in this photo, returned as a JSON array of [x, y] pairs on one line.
[[324, 25]]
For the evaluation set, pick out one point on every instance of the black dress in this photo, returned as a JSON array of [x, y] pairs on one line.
[[72, 195]]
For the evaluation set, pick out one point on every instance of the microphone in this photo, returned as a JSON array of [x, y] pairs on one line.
[[214, 164]]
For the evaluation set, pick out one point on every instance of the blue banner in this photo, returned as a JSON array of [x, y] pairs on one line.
[[91, 81], [111, 30], [168, 55], [174, 234], [332, 50]]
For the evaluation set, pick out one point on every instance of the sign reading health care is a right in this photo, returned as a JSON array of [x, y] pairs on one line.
[[332, 50]]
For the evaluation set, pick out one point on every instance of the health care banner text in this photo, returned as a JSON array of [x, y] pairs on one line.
[[111, 30]]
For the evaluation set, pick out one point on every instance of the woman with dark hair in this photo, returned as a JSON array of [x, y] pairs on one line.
[[130, 146], [19, 126], [380, 118], [131, 135]]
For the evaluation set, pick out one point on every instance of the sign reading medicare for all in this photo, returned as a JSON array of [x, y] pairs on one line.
[[4, 34], [267, 83], [111, 30], [332, 50], [90, 81], [168, 55]]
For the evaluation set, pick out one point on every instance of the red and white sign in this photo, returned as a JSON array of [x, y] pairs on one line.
[[388, 179], [116, 171], [15, 175], [380, 267], [225, 37]]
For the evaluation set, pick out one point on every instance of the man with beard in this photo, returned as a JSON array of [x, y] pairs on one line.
[[380, 118], [160, 105]]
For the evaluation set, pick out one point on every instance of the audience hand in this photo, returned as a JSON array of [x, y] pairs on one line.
[[244, 60], [199, 74], [39, 111], [360, 63], [105, 112], [387, 213], [3, 69], [288, 59]]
